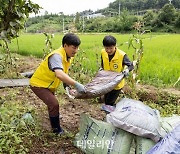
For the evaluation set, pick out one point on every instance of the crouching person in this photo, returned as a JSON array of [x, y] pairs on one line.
[[51, 72]]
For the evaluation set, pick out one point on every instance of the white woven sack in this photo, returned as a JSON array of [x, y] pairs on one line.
[[137, 118]]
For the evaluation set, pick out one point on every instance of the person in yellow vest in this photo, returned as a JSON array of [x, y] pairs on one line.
[[51, 72], [113, 59]]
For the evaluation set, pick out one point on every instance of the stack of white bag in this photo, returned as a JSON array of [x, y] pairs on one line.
[[137, 118]]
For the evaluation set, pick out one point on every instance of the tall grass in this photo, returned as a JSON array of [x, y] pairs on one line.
[[30, 44], [160, 64]]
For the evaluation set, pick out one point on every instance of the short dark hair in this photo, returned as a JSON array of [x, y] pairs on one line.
[[71, 39], [109, 41]]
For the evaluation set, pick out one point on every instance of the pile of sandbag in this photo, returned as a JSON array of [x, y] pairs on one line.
[[139, 119], [98, 137], [131, 124]]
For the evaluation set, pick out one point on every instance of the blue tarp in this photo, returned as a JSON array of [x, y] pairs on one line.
[[170, 144]]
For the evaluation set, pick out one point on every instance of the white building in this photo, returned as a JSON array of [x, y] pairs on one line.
[[94, 15]]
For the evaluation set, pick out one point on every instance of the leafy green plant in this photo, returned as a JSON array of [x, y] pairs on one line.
[[15, 127], [166, 103], [8, 65], [13, 15], [77, 70], [48, 44]]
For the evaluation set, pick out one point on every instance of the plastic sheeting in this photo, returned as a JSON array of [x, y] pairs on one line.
[[98, 137], [170, 144], [137, 118], [102, 83]]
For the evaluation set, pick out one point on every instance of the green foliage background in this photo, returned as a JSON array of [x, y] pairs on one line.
[[162, 17]]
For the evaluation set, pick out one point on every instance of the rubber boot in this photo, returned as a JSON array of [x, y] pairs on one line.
[[55, 124]]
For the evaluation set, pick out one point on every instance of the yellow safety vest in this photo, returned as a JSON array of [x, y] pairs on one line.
[[46, 78], [115, 64]]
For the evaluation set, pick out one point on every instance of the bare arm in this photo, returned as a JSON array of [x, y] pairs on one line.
[[64, 77], [55, 63]]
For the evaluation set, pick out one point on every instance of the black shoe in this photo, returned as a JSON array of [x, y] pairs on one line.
[[58, 131], [55, 124]]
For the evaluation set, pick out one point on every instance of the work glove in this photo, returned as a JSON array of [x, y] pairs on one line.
[[79, 87], [69, 93], [126, 72]]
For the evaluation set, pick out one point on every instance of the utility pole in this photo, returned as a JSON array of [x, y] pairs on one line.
[[63, 25], [119, 8], [83, 23]]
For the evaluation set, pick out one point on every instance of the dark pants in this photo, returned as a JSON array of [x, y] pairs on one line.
[[49, 99], [111, 97]]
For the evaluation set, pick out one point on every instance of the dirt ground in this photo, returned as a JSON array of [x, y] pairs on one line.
[[70, 111]]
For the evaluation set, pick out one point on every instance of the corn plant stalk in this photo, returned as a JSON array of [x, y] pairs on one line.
[[48, 44], [8, 62], [136, 42]]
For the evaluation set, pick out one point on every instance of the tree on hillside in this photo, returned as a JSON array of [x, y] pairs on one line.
[[161, 3], [126, 21], [177, 21], [77, 18], [139, 5], [167, 14], [176, 4], [150, 4], [148, 17]]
